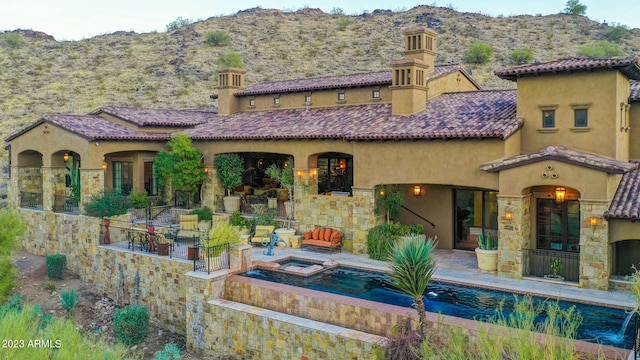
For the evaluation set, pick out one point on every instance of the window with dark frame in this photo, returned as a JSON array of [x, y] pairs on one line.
[[581, 118], [375, 94], [276, 101], [307, 99], [341, 96], [252, 102], [548, 118]]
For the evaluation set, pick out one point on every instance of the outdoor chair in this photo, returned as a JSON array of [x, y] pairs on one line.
[[261, 230]]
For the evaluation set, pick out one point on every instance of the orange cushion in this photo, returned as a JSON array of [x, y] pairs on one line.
[[320, 235], [334, 233], [308, 235], [314, 234], [336, 239], [327, 234], [317, 243]]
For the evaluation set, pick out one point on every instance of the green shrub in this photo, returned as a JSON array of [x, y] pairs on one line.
[[218, 38], [8, 275], [169, 352], [110, 203], [230, 168], [388, 202], [178, 23], [616, 32], [68, 300], [12, 40], [139, 199], [204, 213], [344, 23], [230, 59], [521, 56], [380, 238], [56, 264], [601, 48], [239, 221], [478, 53], [11, 227], [130, 324]]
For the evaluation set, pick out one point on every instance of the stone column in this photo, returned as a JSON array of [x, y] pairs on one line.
[[13, 196], [208, 189], [91, 183], [305, 184], [513, 234], [214, 187], [53, 184], [595, 249], [363, 219]]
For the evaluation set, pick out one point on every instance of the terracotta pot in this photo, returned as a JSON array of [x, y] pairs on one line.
[[163, 249], [192, 252]]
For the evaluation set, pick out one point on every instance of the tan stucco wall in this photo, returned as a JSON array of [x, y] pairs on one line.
[[591, 184], [620, 230], [603, 91], [453, 82], [435, 205], [634, 132]]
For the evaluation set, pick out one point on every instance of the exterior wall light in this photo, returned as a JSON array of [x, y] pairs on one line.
[[313, 172], [508, 215], [65, 157], [417, 190], [560, 194], [594, 221], [104, 166], [208, 169]]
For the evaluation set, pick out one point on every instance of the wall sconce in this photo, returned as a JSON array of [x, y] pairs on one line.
[[65, 157], [560, 194], [299, 173], [208, 169], [508, 215], [594, 221], [417, 190], [313, 172], [342, 164], [104, 166]]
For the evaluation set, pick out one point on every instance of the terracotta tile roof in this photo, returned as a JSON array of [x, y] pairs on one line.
[[339, 81], [635, 91], [158, 117], [474, 114], [92, 128], [561, 153], [626, 202], [629, 66]]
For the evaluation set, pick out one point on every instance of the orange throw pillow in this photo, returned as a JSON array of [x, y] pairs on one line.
[[336, 239], [320, 235], [327, 234], [314, 235], [307, 235], [334, 233]]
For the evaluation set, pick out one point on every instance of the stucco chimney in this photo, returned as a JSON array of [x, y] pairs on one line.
[[230, 81]]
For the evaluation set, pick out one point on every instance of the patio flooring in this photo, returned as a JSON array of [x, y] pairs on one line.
[[461, 267]]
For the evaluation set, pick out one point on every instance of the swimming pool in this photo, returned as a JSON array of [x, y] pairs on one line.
[[600, 324]]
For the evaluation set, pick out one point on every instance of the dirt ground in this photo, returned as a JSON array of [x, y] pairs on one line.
[[93, 313]]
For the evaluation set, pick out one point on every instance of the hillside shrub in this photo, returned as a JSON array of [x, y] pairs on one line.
[[178, 23], [230, 59], [56, 264], [344, 23], [218, 38], [616, 32], [380, 238], [478, 53], [11, 40], [601, 48], [8, 275], [68, 300], [110, 203], [521, 56], [130, 324]]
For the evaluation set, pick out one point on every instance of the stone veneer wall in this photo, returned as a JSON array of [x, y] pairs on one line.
[[351, 215], [255, 333], [91, 183], [513, 235], [595, 250]]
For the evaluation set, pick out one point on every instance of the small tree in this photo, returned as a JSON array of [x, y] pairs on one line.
[[388, 201], [230, 168], [218, 38], [601, 48], [573, 7], [230, 59], [521, 56], [479, 53], [283, 175], [412, 265], [181, 165], [178, 23]]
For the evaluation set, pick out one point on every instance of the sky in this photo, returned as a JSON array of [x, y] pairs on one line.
[[80, 19]]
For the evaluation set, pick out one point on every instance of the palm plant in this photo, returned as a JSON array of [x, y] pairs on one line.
[[412, 264]]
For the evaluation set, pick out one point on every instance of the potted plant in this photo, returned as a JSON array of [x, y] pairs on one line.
[[487, 253], [218, 236], [163, 246], [230, 168], [556, 266], [284, 176], [243, 225]]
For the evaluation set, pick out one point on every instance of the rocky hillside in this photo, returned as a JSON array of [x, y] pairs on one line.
[[41, 75]]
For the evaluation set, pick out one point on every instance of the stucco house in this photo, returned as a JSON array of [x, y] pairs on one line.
[[549, 168]]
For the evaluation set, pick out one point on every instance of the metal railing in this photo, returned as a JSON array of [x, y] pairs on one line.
[[255, 205], [65, 204], [212, 258], [31, 200], [539, 262]]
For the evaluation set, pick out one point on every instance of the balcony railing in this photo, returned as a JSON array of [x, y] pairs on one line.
[[31, 200], [540, 263], [65, 204]]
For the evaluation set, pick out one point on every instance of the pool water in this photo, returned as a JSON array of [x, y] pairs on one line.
[[296, 262], [599, 324]]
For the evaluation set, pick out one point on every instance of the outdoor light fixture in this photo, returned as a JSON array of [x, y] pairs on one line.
[[314, 172], [417, 190], [208, 169], [65, 157], [104, 166], [594, 221], [300, 173], [508, 215], [560, 194]]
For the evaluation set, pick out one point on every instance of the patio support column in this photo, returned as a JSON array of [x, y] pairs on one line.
[[595, 249], [513, 234], [53, 184], [363, 218], [13, 196], [210, 188], [91, 183]]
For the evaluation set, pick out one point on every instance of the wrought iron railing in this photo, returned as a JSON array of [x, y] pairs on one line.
[[65, 204], [257, 205], [540, 261], [31, 200], [212, 258]]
